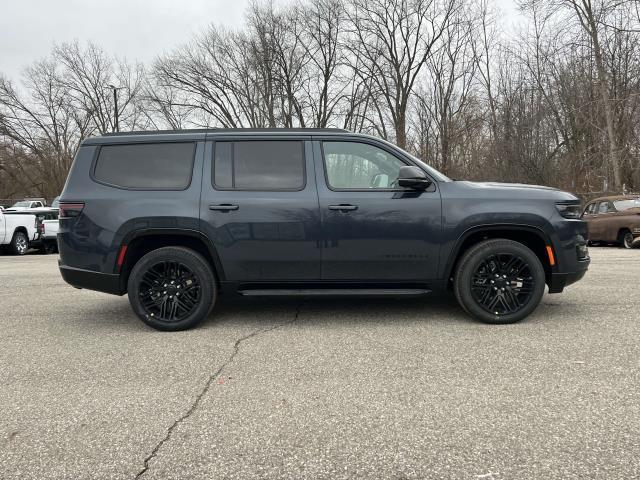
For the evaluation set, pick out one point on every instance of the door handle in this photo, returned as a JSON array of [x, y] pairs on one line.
[[223, 207], [343, 207]]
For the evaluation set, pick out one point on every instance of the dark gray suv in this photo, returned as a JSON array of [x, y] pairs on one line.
[[176, 218]]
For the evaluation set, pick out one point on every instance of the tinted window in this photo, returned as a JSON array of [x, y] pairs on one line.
[[149, 165], [259, 165], [352, 165]]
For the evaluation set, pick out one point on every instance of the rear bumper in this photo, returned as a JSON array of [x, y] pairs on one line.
[[101, 282]]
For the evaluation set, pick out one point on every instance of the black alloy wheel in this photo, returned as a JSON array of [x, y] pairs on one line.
[[499, 281], [169, 291], [172, 288], [502, 283]]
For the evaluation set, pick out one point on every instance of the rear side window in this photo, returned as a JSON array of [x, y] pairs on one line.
[[259, 165], [156, 166]]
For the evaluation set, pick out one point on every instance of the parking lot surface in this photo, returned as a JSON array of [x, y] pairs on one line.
[[321, 388]]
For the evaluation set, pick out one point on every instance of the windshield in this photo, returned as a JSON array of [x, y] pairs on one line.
[[21, 204], [622, 205], [55, 203], [441, 177]]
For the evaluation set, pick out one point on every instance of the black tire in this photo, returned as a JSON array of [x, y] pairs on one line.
[[158, 302], [19, 243], [626, 239], [501, 271], [51, 247]]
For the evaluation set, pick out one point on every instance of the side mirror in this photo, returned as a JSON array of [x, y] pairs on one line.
[[413, 177]]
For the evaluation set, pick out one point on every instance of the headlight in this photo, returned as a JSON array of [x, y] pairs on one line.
[[570, 210]]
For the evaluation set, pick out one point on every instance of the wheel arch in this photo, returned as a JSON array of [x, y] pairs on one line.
[[622, 232], [20, 229], [140, 242], [532, 237]]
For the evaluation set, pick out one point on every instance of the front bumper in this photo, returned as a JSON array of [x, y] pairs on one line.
[[101, 282], [560, 280]]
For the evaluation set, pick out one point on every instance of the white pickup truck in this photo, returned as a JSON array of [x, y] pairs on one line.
[[17, 231], [27, 204], [47, 221]]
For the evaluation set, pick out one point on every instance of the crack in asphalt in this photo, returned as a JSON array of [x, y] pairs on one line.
[[207, 387]]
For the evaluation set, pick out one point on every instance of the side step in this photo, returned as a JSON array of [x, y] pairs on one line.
[[333, 292]]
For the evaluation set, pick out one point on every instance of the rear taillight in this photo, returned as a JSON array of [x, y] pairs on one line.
[[41, 228], [71, 209]]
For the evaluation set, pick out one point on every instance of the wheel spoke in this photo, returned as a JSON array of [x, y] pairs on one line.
[[502, 283], [510, 301], [169, 291]]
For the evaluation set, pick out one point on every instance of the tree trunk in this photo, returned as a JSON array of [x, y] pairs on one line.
[[401, 130]]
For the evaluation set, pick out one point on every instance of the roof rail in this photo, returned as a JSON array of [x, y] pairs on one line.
[[225, 130]]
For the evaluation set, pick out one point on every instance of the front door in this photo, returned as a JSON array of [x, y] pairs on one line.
[[598, 223], [374, 230], [260, 208]]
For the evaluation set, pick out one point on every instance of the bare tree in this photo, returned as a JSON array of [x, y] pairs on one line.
[[41, 129], [394, 39], [88, 74], [451, 74], [556, 102]]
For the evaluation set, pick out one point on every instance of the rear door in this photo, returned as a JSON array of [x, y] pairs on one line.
[[374, 230], [259, 206]]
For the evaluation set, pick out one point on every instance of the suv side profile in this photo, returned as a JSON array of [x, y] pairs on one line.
[[176, 218]]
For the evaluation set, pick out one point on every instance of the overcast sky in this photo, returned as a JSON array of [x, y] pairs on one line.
[[136, 29]]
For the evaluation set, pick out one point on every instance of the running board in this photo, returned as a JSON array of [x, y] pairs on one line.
[[334, 292]]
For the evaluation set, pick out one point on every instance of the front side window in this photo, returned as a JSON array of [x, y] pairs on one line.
[[154, 166], [259, 165], [603, 207], [360, 166]]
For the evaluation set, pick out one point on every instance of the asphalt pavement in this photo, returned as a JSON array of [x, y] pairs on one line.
[[320, 388]]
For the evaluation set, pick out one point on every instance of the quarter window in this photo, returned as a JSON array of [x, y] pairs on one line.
[[155, 166], [259, 165], [358, 166]]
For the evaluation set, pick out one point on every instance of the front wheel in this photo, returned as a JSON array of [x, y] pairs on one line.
[[499, 281], [172, 288]]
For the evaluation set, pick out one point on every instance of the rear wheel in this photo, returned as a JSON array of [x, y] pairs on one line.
[[626, 239], [172, 288], [499, 281], [51, 247], [19, 243]]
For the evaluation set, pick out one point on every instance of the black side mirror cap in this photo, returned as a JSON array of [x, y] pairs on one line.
[[413, 177]]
